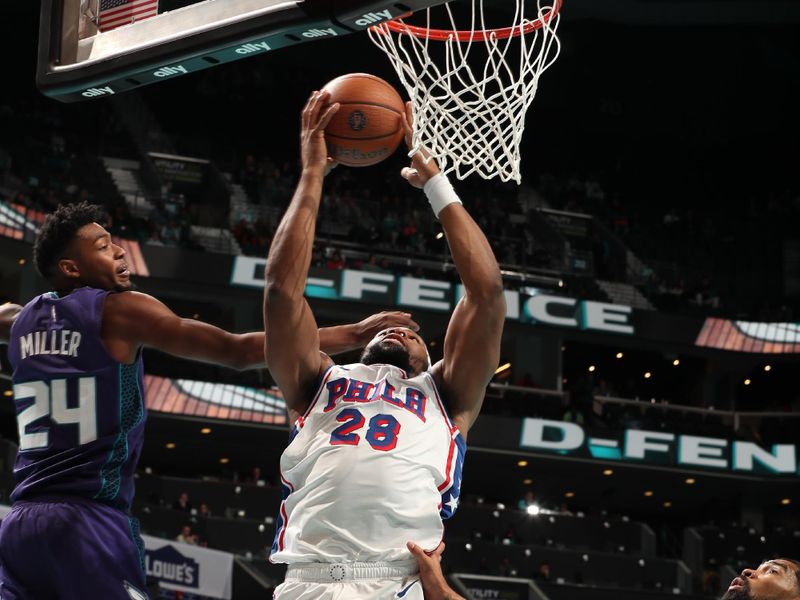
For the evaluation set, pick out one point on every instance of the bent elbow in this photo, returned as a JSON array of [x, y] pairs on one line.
[[276, 289], [491, 294]]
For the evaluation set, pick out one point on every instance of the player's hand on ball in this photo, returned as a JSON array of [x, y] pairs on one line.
[[369, 327], [316, 116], [423, 167]]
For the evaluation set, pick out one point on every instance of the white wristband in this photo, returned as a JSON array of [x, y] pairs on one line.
[[440, 193]]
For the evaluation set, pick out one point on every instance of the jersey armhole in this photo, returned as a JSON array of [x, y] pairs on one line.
[[318, 390], [441, 404], [100, 309]]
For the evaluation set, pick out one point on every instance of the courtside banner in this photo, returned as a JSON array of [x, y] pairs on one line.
[[670, 449], [187, 568], [666, 448]]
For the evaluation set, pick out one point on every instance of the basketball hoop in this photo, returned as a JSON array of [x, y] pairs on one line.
[[470, 93]]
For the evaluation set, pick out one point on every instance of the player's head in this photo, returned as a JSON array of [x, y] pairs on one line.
[[398, 346], [777, 579], [73, 250]]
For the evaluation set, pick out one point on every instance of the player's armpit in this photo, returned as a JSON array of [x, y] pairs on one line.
[[132, 319]]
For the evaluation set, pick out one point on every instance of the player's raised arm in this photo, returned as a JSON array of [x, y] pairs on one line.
[[8, 312], [293, 344], [135, 320], [472, 341]]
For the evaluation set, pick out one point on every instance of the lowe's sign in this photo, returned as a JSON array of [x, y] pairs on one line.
[[429, 294], [660, 447]]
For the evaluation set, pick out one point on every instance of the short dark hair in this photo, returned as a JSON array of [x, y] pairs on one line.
[[58, 231], [796, 565]]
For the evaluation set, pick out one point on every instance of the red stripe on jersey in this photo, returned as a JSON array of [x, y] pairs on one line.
[[450, 454]]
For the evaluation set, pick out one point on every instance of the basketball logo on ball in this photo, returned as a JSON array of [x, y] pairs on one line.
[[357, 120], [368, 127]]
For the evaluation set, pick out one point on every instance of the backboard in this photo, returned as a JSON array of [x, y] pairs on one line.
[[96, 48]]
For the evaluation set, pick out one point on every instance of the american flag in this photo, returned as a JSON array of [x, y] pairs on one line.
[[115, 13]]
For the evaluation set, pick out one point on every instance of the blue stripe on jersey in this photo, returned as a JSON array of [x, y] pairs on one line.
[[131, 413], [451, 495], [295, 430], [279, 525], [402, 593]]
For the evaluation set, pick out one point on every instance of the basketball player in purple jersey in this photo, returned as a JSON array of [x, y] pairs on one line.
[[76, 355], [375, 455]]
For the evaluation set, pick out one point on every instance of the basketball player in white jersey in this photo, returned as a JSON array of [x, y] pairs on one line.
[[375, 454]]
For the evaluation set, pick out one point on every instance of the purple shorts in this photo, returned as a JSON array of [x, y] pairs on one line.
[[70, 548]]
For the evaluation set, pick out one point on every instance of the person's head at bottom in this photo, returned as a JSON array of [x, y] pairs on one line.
[[777, 579]]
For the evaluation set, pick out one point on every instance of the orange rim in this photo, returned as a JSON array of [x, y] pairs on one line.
[[479, 35]]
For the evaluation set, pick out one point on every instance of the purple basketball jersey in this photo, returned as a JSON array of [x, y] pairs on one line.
[[80, 413]]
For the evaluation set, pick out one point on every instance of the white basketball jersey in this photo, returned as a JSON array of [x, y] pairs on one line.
[[373, 463]]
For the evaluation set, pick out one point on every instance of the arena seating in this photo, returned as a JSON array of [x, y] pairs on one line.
[[593, 551], [745, 546]]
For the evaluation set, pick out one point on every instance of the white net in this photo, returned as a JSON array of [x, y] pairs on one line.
[[471, 86]]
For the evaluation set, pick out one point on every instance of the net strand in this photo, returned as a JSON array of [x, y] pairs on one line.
[[469, 105]]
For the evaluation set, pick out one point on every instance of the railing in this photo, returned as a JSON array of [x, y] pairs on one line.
[[731, 417]]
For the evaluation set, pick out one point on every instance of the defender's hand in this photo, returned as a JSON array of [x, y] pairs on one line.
[[369, 327], [315, 118], [420, 171], [434, 585]]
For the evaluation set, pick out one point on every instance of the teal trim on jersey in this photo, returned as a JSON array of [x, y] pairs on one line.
[[134, 529], [131, 412]]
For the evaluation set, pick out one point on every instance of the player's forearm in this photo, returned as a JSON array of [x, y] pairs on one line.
[[290, 254], [249, 351], [472, 254], [333, 340]]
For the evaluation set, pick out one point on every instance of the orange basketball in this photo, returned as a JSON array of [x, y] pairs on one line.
[[367, 128]]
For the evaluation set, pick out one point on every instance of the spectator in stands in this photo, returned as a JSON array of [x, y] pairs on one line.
[[317, 257], [528, 500], [170, 233], [256, 477], [506, 569], [336, 261], [777, 579], [186, 536], [543, 573], [203, 510], [571, 415], [372, 265], [182, 503]]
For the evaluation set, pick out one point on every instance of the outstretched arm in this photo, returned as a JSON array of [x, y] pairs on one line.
[[131, 320], [8, 312], [472, 341], [293, 344]]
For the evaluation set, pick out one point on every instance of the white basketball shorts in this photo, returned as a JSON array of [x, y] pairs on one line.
[[351, 581]]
